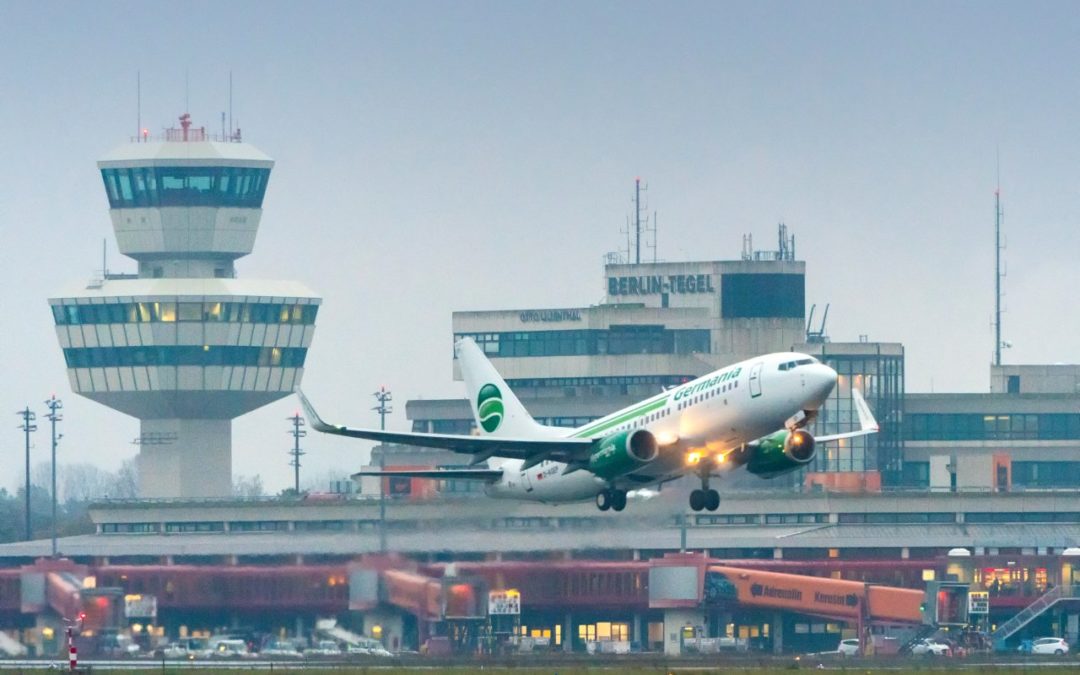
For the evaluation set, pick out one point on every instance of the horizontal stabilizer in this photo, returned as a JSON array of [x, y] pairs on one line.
[[486, 475]]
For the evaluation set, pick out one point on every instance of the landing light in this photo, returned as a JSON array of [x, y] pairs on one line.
[[666, 438], [693, 457], [721, 458]]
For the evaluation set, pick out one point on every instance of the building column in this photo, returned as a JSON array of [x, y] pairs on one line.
[[568, 633], [776, 632]]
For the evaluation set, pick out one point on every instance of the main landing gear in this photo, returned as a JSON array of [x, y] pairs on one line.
[[612, 498], [706, 498]]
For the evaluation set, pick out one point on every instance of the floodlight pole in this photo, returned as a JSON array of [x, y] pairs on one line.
[[54, 404], [384, 397], [297, 434], [28, 426]]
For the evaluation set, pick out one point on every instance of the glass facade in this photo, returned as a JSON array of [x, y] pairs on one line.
[[590, 342], [752, 296], [166, 312], [880, 378], [992, 427], [189, 355], [1046, 474], [155, 186]]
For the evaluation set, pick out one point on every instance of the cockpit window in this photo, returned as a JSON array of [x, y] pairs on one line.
[[800, 362]]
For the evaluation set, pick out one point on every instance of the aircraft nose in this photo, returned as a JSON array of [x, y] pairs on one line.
[[821, 381]]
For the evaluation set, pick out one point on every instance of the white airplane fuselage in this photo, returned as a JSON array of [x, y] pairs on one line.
[[707, 417]]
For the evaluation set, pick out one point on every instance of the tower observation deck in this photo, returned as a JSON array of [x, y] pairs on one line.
[[184, 346]]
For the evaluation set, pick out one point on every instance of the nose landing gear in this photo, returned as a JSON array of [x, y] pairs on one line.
[[612, 498]]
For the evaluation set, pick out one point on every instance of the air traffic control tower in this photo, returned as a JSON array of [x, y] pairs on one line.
[[184, 345]]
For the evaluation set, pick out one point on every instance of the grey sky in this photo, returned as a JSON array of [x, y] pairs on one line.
[[446, 156]]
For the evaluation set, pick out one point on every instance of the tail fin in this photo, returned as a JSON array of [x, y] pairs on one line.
[[497, 411]]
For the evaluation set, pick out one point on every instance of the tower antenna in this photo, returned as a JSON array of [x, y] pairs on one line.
[[138, 104], [637, 221], [231, 127]]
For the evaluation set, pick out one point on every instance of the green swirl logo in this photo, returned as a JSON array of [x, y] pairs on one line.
[[489, 407]]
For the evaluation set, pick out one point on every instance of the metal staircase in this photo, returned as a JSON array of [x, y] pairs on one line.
[[1043, 603], [924, 632]]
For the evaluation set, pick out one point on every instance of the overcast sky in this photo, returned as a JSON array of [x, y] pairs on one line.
[[434, 157]]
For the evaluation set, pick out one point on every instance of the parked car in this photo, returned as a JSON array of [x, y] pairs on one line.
[[281, 649], [230, 649], [182, 648], [931, 648], [848, 647], [1050, 645], [118, 644]]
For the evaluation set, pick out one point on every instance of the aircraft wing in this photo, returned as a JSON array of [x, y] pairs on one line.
[[569, 450], [867, 423], [486, 475]]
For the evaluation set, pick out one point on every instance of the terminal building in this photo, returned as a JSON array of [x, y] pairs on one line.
[[184, 346]]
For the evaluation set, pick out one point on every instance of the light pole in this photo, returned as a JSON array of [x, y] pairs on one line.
[[54, 404], [384, 397], [297, 434], [27, 426]]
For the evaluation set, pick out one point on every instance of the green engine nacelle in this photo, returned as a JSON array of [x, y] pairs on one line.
[[623, 452], [781, 453]]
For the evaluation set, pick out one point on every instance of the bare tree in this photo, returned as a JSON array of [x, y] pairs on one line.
[[244, 486]]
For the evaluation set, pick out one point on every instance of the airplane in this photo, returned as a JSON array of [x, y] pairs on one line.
[[751, 414]]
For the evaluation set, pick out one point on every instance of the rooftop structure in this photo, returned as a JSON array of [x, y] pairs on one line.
[[183, 346]]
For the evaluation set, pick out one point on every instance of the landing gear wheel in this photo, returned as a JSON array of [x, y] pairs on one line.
[[697, 500], [618, 500], [712, 500], [603, 500]]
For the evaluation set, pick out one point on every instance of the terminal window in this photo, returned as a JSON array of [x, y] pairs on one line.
[[752, 296], [642, 339]]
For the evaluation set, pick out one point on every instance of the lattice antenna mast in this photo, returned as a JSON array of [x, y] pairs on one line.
[[297, 433], [999, 273]]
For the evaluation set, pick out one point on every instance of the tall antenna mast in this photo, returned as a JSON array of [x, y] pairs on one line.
[[138, 104], [231, 127], [998, 213]]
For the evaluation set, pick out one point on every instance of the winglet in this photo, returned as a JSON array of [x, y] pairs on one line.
[[314, 420], [866, 418]]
